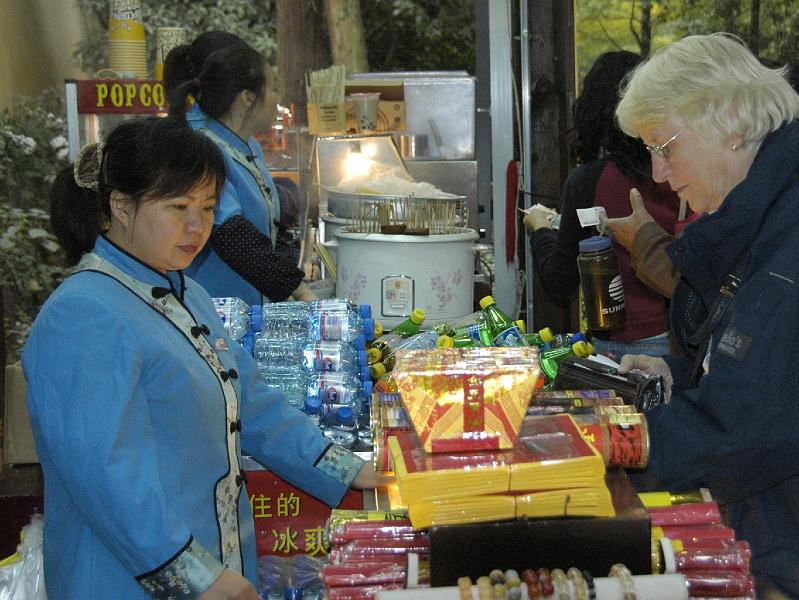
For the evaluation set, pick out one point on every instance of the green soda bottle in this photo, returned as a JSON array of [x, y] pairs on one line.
[[550, 359], [540, 337], [503, 330], [411, 325]]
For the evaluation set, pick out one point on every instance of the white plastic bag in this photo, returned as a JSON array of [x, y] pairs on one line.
[[22, 577]]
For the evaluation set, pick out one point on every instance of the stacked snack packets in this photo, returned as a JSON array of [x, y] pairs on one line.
[[462, 399], [550, 472]]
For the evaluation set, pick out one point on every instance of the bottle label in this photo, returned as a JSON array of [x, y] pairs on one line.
[[330, 326], [474, 332], [603, 294], [512, 336]]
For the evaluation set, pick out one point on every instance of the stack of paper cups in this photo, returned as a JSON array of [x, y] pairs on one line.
[[127, 51], [166, 38]]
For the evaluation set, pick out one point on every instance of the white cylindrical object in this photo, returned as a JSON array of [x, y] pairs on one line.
[[397, 273]]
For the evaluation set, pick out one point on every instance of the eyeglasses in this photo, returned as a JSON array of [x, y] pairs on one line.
[[664, 149]]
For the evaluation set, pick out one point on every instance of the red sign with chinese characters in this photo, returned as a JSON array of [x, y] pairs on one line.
[[120, 96], [289, 521]]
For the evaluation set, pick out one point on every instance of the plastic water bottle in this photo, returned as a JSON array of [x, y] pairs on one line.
[[560, 340], [313, 408], [425, 340], [336, 388], [277, 352], [328, 355], [364, 310], [286, 320], [344, 431], [235, 316], [342, 326], [291, 381]]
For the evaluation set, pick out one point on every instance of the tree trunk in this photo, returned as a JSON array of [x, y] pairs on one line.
[[301, 47], [754, 27], [646, 27], [347, 38]]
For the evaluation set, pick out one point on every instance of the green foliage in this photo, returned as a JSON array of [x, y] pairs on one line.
[[604, 25], [408, 35], [255, 22], [30, 269], [33, 148]]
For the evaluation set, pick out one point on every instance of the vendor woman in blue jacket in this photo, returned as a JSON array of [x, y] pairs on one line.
[[722, 130], [234, 89], [141, 406]]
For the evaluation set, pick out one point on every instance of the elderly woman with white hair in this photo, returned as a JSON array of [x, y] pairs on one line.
[[722, 131]]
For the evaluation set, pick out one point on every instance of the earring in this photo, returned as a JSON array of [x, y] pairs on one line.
[[735, 147]]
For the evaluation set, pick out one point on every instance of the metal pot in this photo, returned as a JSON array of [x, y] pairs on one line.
[[413, 146]]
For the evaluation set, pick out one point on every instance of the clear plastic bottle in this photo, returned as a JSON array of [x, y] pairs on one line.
[[235, 316], [425, 340], [337, 389], [286, 320], [277, 352], [364, 310], [339, 325], [344, 430], [291, 381], [333, 355]]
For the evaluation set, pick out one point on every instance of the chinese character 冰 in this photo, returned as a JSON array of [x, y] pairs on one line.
[[284, 542]]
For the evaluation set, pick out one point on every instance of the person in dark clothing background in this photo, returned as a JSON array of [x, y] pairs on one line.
[[610, 165]]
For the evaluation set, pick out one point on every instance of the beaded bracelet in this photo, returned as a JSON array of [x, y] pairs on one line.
[[561, 584], [576, 577], [589, 580], [625, 580], [465, 588], [531, 579], [545, 581]]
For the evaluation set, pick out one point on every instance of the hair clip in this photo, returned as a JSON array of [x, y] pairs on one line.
[[88, 163]]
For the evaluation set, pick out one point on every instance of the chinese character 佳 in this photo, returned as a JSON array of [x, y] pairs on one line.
[[261, 506], [284, 541], [288, 505], [315, 541]]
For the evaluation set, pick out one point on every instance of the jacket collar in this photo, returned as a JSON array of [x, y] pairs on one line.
[[712, 246], [129, 264], [227, 134]]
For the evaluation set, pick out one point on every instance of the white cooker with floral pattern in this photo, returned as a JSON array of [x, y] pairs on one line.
[[397, 273]]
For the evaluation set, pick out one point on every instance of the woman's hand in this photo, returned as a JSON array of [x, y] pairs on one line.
[[625, 228], [368, 479], [648, 364], [230, 586], [538, 218], [304, 293]]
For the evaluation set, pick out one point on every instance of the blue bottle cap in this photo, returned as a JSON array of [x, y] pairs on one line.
[[255, 317], [368, 387], [579, 336], [369, 329], [365, 310], [595, 244], [362, 359], [313, 405], [360, 342], [344, 416]]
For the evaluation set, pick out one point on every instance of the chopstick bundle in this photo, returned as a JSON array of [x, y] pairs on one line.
[[325, 86]]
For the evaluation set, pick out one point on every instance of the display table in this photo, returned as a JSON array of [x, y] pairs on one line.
[[594, 544]]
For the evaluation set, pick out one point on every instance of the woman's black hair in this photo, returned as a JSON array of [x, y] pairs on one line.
[[597, 132], [185, 62], [224, 74], [153, 157]]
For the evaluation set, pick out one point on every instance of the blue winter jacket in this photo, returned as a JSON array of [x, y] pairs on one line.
[[737, 433]]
